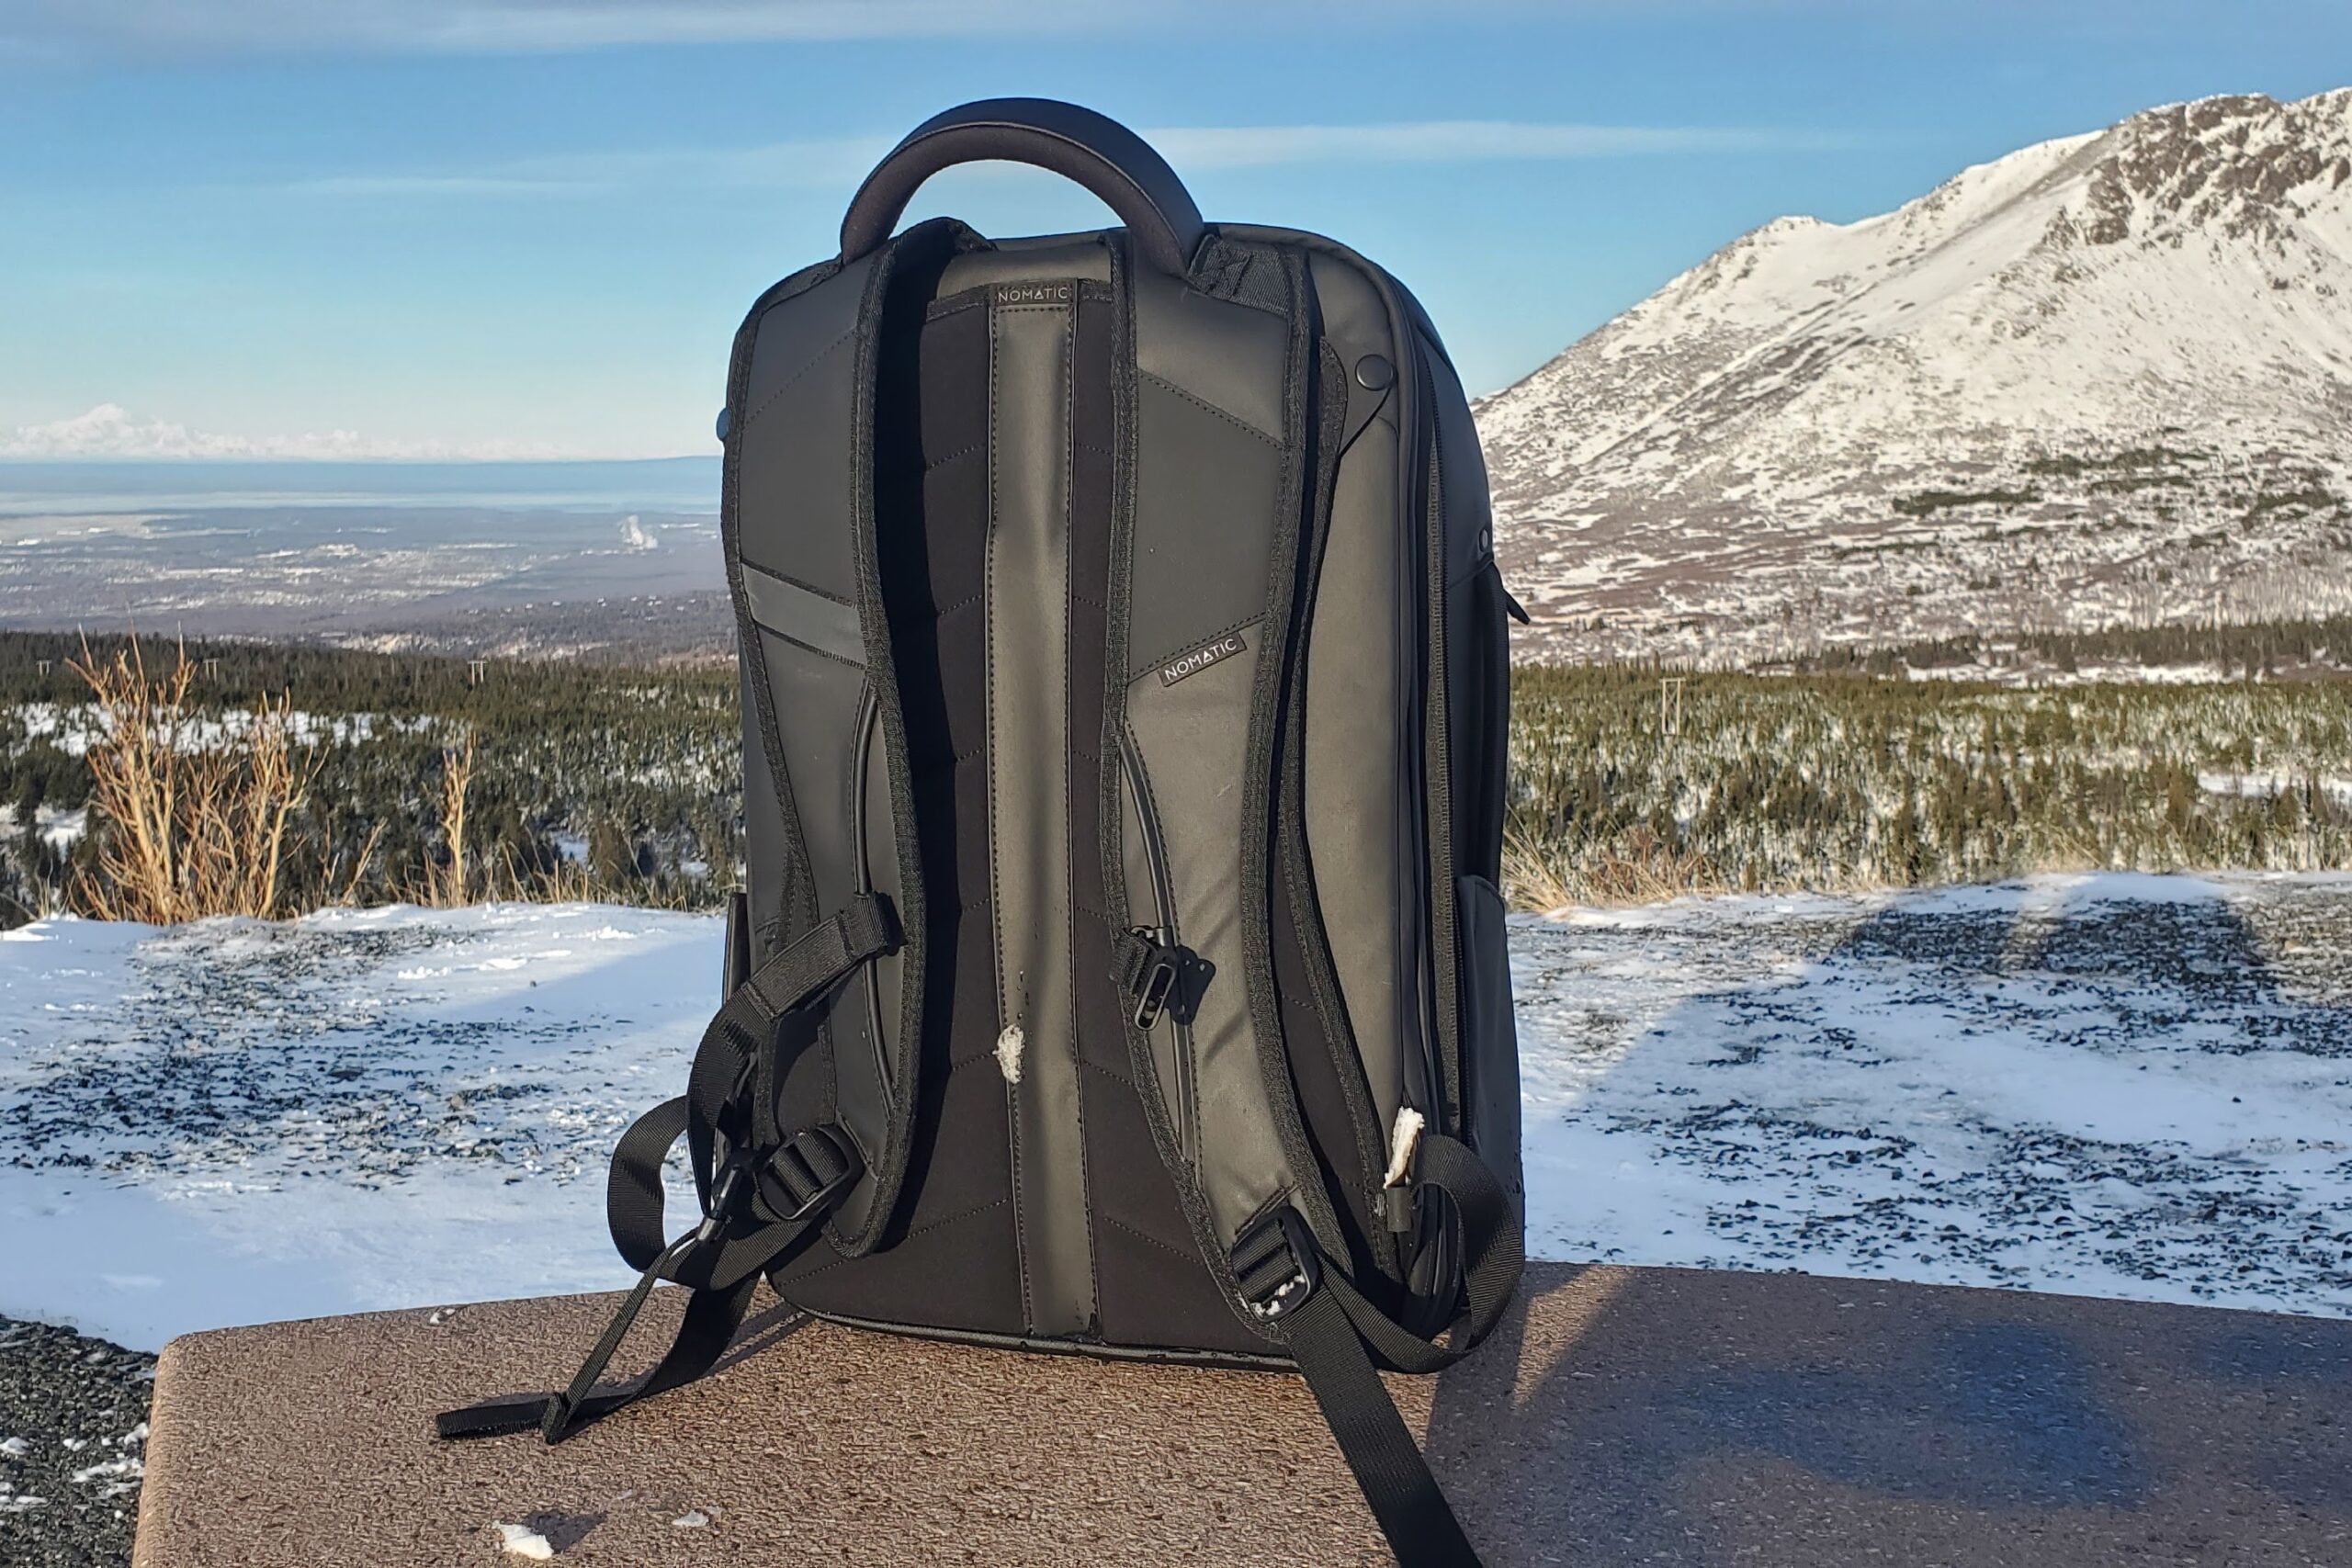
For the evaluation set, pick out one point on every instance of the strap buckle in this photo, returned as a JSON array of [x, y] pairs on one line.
[[727, 1193], [1277, 1265], [1154, 973], [812, 1170]]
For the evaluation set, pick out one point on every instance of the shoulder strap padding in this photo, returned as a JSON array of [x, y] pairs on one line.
[[1217, 450], [798, 529]]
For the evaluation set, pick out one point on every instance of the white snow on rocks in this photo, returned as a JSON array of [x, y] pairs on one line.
[[2137, 1086], [2128, 1086], [233, 1122]]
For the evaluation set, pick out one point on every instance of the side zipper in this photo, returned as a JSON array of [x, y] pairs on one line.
[[869, 713], [1445, 1066], [1180, 1114]]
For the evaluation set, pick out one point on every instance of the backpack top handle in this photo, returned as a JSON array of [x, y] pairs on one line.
[[1093, 149]]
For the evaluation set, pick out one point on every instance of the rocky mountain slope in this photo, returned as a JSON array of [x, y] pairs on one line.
[[2103, 380]]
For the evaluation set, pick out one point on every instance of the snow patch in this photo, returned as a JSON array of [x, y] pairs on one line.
[[522, 1540], [2124, 1086]]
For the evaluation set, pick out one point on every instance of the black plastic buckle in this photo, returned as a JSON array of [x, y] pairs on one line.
[[1277, 1265], [1155, 983], [728, 1189], [1159, 983], [811, 1171]]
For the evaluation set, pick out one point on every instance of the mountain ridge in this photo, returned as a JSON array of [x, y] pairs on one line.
[[2029, 398]]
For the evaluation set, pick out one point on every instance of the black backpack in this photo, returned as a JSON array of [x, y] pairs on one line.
[[1125, 693]]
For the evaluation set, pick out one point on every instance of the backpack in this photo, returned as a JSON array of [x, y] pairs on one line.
[[1125, 687]]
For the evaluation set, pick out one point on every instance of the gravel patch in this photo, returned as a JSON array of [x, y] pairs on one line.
[[72, 1431]]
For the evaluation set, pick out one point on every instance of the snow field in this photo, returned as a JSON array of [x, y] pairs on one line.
[[2126, 1086]]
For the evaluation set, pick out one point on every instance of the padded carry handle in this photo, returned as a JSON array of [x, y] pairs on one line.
[[1097, 152]]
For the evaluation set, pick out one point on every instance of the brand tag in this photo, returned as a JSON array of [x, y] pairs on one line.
[[1201, 657], [1034, 293]]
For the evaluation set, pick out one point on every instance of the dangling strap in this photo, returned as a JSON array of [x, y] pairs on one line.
[[753, 1208], [1334, 1333]]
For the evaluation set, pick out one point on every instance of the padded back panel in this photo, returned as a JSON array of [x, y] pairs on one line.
[[1036, 1209]]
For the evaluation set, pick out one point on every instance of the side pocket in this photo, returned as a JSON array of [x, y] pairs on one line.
[[1490, 753], [1171, 1035], [1489, 1030]]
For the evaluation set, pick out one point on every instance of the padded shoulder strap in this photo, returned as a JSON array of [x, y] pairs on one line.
[[826, 794], [1202, 572]]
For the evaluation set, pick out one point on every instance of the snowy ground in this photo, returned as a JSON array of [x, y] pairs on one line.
[[2124, 1086], [235, 1121]]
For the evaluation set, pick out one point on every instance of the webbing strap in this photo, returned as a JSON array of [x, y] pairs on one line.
[[721, 1260], [1404, 1496], [753, 1211], [1494, 1248], [865, 928], [1334, 1334], [712, 1318], [744, 1029]]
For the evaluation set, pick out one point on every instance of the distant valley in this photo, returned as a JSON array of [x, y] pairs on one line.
[[493, 560]]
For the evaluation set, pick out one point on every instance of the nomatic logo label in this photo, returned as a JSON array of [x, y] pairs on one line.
[[1201, 657], [1034, 293]]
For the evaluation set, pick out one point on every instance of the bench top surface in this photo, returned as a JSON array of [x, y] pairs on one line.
[[1618, 1416]]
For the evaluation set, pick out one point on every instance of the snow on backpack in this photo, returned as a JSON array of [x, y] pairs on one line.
[[1124, 690]]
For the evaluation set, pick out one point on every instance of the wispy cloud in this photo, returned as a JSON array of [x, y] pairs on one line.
[[110, 430], [1466, 140], [834, 161], [462, 26], [812, 162]]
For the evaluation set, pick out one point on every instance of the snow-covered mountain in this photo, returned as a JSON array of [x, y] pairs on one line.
[[2106, 380]]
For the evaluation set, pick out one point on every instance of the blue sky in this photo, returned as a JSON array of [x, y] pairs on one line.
[[499, 227]]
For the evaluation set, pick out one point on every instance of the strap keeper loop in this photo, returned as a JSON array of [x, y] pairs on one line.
[[1277, 1265]]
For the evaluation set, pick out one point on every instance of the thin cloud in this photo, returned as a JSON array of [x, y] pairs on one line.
[[833, 162], [1466, 140], [521, 26], [110, 430]]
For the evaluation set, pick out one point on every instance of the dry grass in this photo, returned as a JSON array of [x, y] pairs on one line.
[[446, 884], [565, 883], [190, 824], [1641, 870]]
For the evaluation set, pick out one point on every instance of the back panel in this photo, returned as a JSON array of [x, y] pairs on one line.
[[1188, 606], [1036, 1205]]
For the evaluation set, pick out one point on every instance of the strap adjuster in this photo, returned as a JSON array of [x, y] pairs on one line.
[[808, 1173], [1159, 979], [1277, 1265], [1151, 967]]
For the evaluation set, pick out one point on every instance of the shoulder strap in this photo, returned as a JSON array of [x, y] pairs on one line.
[[828, 798], [1203, 569], [758, 1201], [1334, 1335], [1203, 577]]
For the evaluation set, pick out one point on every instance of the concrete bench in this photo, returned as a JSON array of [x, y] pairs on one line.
[[1620, 1416]]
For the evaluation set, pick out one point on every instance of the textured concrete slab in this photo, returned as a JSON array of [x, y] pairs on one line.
[[1620, 1416]]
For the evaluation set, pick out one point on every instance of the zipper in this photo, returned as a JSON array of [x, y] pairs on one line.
[[869, 712], [1180, 1114], [1445, 1078]]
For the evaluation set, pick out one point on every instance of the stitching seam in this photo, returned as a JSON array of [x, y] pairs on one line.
[[1232, 419], [769, 400], [925, 1230]]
